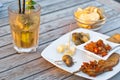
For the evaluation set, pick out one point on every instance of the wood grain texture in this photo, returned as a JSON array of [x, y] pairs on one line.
[[60, 14], [57, 15], [55, 19], [20, 72], [112, 4], [48, 8], [17, 59], [75, 78], [4, 9], [51, 74]]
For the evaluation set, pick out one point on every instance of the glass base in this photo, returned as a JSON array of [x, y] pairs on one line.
[[25, 50]]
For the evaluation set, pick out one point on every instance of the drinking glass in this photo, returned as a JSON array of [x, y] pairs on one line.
[[24, 27]]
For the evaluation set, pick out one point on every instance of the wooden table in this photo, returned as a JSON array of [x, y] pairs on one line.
[[56, 15]]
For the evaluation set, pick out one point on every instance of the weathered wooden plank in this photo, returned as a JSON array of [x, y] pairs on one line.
[[68, 12], [33, 67], [6, 30], [73, 77], [20, 59], [6, 4], [43, 3], [116, 77], [112, 4], [60, 14], [51, 74], [5, 40], [48, 8], [113, 31], [6, 51], [4, 21], [110, 25], [6, 1], [57, 15]]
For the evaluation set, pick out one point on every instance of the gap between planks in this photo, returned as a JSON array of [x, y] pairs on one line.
[[7, 30], [53, 7], [49, 10]]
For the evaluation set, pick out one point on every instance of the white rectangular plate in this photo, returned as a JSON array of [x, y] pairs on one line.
[[51, 55]]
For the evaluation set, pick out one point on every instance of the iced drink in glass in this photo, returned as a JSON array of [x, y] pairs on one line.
[[25, 28]]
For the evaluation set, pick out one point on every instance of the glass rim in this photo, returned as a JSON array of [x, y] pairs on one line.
[[15, 3]]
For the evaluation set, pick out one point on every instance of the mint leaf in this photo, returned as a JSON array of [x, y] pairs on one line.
[[30, 4], [30, 7]]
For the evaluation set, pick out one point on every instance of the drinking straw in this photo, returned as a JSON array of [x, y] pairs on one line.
[[19, 3], [23, 9]]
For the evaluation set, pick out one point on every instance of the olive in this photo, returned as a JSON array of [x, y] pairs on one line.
[[75, 37], [68, 60], [79, 38], [77, 42]]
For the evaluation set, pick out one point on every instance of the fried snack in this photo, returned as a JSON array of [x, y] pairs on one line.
[[95, 68], [115, 38], [88, 16]]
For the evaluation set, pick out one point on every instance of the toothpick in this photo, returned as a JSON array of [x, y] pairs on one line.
[[69, 37], [76, 71]]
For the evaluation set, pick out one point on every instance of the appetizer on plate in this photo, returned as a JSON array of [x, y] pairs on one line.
[[94, 68], [90, 17], [71, 63], [80, 38], [115, 38], [98, 47]]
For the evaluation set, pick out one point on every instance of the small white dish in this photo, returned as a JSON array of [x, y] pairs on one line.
[[98, 57]]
